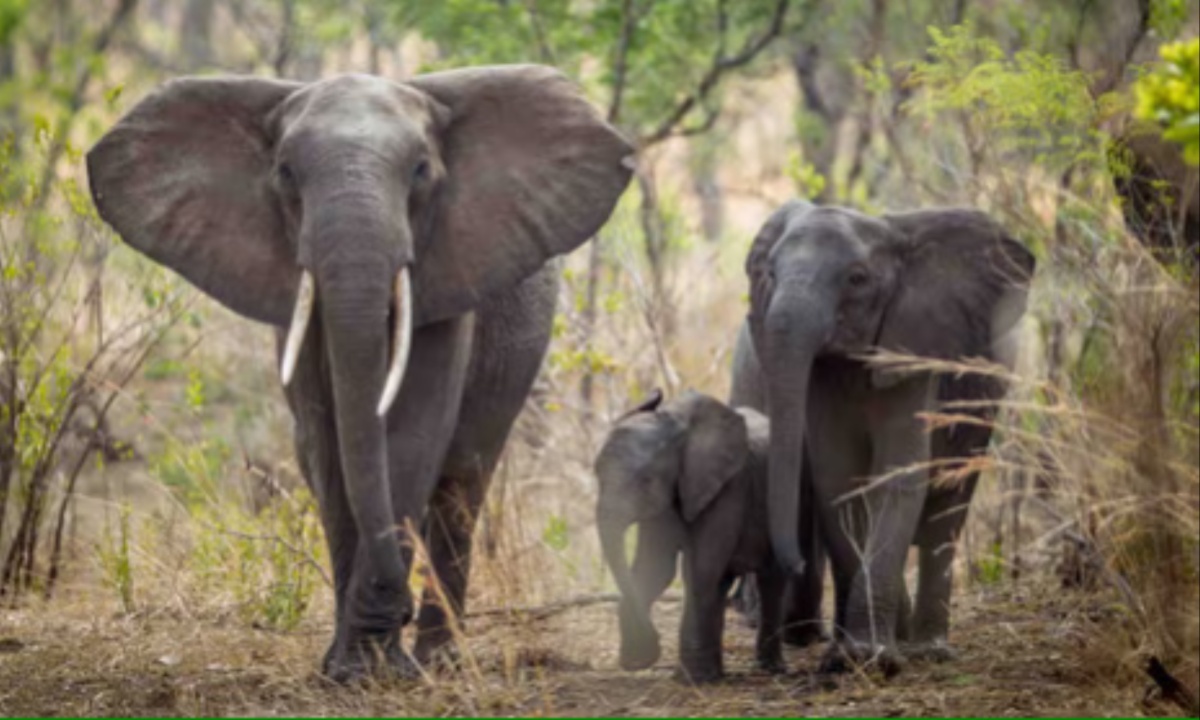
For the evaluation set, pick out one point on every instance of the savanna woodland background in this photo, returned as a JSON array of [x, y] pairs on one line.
[[159, 554]]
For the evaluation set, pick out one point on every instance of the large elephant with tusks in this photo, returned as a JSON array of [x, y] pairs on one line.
[[397, 236]]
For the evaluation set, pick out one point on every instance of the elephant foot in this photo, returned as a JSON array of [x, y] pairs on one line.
[[639, 653], [699, 667], [369, 659], [698, 676], [805, 634], [773, 665], [436, 650], [640, 647], [935, 651], [847, 656]]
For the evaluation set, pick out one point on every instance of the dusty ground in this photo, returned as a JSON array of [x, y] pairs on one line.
[[1015, 648]]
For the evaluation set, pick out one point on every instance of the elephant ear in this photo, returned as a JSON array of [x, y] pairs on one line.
[[964, 284], [532, 171], [758, 262], [717, 449], [638, 467], [185, 178]]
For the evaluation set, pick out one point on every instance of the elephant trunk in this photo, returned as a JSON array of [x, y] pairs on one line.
[[792, 343], [639, 640], [356, 247], [354, 302]]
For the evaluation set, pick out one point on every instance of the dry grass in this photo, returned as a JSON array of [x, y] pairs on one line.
[[77, 657]]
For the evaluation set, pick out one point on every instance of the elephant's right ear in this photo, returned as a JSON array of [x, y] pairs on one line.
[[532, 171], [718, 447], [185, 178]]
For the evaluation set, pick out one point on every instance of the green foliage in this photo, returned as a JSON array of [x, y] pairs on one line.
[[809, 182], [269, 563], [193, 470], [12, 13], [587, 360], [1027, 104], [194, 393], [115, 559], [989, 569], [57, 369], [1167, 17], [556, 534], [670, 45], [1170, 95]]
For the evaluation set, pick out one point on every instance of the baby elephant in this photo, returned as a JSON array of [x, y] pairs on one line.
[[692, 473]]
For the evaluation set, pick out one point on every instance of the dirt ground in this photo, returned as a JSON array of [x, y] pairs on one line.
[[1015, 659]]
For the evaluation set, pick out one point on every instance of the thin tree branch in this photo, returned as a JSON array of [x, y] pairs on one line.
[[545, 52], [621, 60], [721, 64], [100, 44], [540, 612]]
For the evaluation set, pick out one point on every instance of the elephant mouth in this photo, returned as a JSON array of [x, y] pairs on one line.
[[402, 317]]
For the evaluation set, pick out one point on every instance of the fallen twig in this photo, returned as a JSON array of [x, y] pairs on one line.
[[1172, 688], [541, 612]]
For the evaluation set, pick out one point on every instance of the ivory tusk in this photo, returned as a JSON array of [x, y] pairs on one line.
[[299, 327], [401, 343]]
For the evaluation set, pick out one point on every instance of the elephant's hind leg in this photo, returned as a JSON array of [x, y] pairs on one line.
[[450, 524], [511, 338], [769, 641], [931, 618]]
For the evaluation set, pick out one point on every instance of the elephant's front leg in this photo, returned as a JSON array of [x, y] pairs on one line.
[[942, 521], [707, 554], [703, 622], [421, 424], [945, 512], [311, 401], [900, 456]]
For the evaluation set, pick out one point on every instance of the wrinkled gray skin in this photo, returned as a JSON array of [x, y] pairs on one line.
[[802, 622], [692, 474], [829, 285], [473, 179]]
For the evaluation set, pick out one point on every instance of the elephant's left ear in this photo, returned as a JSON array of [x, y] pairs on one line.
[[718, 446], [532, 171], [964, 284]]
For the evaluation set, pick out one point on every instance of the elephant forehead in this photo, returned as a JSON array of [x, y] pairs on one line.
[[836, 231], [357, 107], [634, 444]]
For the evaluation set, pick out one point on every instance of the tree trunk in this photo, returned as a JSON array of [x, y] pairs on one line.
[[195, 34]]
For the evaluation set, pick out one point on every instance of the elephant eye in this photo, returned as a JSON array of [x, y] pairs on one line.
[[420, 173], [287, 178], [858, 277]]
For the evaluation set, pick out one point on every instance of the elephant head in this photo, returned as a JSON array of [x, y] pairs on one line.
[[374, 206], [663, 464], [830, 281]]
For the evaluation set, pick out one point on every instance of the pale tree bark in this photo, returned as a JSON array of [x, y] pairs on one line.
[[195, 34]]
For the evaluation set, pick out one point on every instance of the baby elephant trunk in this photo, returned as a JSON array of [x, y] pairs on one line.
[[639, 640]]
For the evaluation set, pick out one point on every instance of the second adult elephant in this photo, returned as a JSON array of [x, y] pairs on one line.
[[829, 286], [373, 220]]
